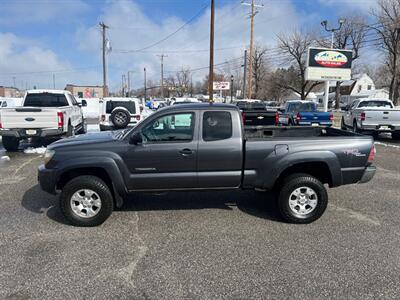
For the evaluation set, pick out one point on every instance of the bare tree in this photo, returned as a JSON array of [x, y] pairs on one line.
[[350, 36], [183, 79], [295, 46], [387, 26], [260, 69]]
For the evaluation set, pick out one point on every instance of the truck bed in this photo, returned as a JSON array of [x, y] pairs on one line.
[[268, 132]]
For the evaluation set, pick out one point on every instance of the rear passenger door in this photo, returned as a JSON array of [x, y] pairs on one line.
[[220, 150]]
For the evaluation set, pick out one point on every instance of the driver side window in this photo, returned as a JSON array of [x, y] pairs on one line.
[[170, 128]]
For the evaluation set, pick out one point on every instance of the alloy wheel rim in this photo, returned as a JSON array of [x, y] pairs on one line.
[[120, 118], [303, 200], [85, 203]]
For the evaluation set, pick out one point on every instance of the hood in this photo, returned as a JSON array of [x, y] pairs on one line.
[[84, 139]]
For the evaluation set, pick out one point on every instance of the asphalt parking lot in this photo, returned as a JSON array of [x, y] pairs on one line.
[[201, 245]]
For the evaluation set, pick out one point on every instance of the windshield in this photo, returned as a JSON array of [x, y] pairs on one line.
[[375, 103], [251, 105], [45, 100], [306, 107]]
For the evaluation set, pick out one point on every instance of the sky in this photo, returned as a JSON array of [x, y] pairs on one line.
[[39, 38]]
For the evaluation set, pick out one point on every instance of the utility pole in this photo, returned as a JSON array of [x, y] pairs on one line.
[[231, 88], [104, 27], [145, 86], [244, 74], [211, 71], [252, 15], [332, 31], [162, 74], [129, 83], [123, 85]]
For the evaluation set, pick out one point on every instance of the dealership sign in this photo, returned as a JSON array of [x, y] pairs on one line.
[[328, 64], [221, 85]]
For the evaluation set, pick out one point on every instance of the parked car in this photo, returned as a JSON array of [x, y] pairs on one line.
[[372, 116], [203, 147], [119, 113], [45, 114], [305, 113], [257, 114], [7, 103]]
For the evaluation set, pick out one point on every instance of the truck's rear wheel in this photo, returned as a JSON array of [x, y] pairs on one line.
[[302, 199], [10, 143], [86, 201]]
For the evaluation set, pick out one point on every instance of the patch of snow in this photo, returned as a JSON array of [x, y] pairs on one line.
[[5, 158], [93, 128], [31, 150], [387, 145]]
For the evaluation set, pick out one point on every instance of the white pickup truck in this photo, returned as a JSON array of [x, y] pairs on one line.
[[372, 116], [44, 114]]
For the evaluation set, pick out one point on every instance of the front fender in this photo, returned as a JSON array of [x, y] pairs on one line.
[[108, 164]]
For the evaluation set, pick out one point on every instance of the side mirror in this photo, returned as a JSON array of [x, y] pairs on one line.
[[84, 103], [136, 138]]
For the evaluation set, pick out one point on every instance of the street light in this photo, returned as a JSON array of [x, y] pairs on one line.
[[332, 31], [231, 88]]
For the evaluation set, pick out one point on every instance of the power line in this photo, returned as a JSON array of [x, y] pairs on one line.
[[173, 33]]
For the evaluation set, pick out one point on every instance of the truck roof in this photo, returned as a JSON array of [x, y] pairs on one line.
[[63, 92], [200, 106]]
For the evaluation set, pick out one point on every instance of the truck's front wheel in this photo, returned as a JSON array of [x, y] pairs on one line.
[[10, 143], [302, 199], [86, 201]]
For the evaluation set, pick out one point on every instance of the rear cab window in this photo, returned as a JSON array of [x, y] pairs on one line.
[[45, 100], [217, 125], [375, 103]]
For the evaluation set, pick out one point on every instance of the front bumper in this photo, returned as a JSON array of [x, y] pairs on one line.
[[368, 174], [47, 179], [22, 133]]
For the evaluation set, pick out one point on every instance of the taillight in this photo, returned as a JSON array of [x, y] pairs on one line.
[[243, 117], [103, 118], [362, 116], [331, 117], [276, 118], [1, 125], [372, 154], [137, 117], [298, 117], [60, 116]]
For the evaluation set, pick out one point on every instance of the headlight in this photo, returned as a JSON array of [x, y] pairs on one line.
[[48, 155]]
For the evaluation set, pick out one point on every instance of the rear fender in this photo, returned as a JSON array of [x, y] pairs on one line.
[[270, 176]]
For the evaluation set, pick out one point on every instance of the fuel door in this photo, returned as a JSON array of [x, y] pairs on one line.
[[281, 150]]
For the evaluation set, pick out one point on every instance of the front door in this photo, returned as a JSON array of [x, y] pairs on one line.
[[167, 157]]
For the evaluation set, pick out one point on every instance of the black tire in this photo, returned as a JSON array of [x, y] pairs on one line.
[[70, 130], [83, 128], [355, 127], [343, 126], [94, 184], [10, 143], [396, 135], [298, 181], [120, 118]]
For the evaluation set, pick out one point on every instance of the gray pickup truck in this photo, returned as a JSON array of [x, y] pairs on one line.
[[203, 147]]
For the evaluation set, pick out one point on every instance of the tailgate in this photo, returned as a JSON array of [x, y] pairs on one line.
[[29, 117], [315, 116], [259, 118], [382, 117]]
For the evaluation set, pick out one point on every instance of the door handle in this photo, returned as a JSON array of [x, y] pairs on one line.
[[186, 152]]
